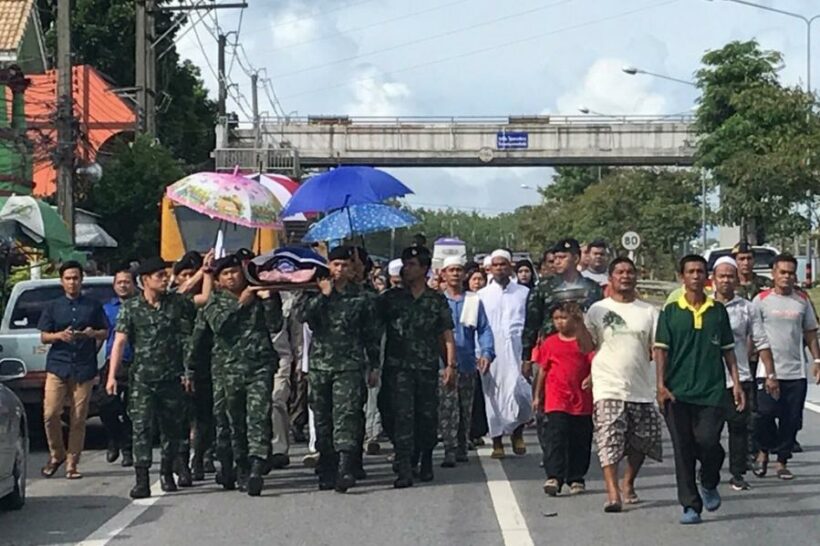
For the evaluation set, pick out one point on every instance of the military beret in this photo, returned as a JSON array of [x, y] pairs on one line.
[[742, 248], [152, 265], [245, 254], [231, 260], [414, 252], [343, 252], [191, 260], [568, 245]]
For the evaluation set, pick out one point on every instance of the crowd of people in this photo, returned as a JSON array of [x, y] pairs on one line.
[[230, 374]]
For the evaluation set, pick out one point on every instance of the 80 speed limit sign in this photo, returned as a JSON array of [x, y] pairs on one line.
[[630, 240]]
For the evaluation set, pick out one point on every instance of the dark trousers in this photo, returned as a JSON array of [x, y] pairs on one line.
[[114, 410], [739, 426], [695, 432], [569, 444], [478, 426], [297, 403], [779, 420]]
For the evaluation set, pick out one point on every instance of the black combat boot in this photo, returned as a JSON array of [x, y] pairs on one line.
[[426, 472], [142, 488], [326, 470], [449, 459], [127, 458], [255, 480], [182, 470], [166, 477], [197, 467], [242, 472], [113, 451], [345, 478], [405, 475], [357, 464], [225, 476]]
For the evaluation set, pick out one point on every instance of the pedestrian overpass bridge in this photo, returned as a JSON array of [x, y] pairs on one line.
[[292, 145]]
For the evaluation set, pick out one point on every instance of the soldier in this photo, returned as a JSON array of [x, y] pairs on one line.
[[418, 322], [345, 343], [241, 321], [751, 284], [155, 324]]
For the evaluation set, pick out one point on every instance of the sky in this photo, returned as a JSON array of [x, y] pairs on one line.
[[481, 57]]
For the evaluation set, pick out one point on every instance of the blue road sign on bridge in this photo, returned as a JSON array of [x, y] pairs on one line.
[[512, 140]]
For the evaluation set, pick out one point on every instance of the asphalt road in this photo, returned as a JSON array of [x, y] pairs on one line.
[[483, 502]]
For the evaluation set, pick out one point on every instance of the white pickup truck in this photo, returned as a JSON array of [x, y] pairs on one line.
[[19, 337]]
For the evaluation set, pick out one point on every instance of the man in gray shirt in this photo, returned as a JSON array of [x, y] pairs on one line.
[[788, 319]]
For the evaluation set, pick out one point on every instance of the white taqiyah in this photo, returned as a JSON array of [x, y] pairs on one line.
[[451, 261], [394, 267], [501, 253]]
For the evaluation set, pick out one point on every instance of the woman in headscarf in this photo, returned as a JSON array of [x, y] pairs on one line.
[[525, 273]]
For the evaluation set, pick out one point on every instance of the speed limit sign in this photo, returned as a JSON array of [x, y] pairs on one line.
[[630, 240]]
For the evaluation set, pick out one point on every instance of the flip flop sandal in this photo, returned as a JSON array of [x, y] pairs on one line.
[[785, 474], [73, 474], [631, 499], [612, 507], [51, 468]]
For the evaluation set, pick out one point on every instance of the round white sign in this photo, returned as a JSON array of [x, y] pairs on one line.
[[630, 240]]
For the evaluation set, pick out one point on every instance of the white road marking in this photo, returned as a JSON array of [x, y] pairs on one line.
[[812, 407], [513, 526], [122, 519]]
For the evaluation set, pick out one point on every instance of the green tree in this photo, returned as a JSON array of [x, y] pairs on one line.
[[103, 36], [129, 195], [569, 182], [759, 140]]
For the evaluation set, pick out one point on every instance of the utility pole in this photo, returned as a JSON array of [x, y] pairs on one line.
[[140, 79], [257, 133], [64, 155], [150, 69], [222, 120]]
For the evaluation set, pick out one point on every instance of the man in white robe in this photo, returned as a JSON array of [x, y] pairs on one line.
[[508, 396]]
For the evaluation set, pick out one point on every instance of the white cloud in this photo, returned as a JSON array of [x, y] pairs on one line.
[[607, 89], [375, 95]]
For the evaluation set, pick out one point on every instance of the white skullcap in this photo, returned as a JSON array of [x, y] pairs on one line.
[[725, 260], [488, 261], [501, 253], [394, 267], [451, 261]]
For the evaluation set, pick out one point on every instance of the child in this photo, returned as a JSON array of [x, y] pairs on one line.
[[565, 358]]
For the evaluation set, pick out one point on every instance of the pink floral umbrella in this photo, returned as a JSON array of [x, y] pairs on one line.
[[228, 197]]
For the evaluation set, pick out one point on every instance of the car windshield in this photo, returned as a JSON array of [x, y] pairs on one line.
[[763, 257], [30, 304]]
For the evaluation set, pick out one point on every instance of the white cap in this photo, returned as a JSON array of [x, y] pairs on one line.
[[500, 253], [488, 261], [725, 260], [394, 267], [451, 261]]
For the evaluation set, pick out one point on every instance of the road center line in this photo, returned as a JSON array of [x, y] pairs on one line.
[[122, 519], [812, 407], [513, 526]]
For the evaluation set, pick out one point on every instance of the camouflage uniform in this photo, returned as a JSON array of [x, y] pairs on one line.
[[409, 395], [538, 323], [156, 334], [204, 423], [455, 411], [242, 365], [752, 289], [345, 343]]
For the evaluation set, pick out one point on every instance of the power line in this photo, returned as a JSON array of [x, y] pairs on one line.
[[487, 49], [452, 32], [321, 12]]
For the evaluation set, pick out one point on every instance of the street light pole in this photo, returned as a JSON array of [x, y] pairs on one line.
[[631, 70]]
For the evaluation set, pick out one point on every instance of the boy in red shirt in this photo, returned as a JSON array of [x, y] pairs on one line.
[[566, 358]]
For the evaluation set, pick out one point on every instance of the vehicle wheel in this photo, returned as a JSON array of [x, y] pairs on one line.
[[17, 498]]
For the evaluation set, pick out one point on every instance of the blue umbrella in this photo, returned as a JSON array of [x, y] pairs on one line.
[[358, 220], [342, 187]]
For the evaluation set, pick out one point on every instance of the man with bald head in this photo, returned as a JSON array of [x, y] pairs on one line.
[[507, 394], [747, 327]]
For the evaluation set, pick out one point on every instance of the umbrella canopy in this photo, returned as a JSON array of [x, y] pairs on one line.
[[228, 197], [342, 187], [36, 222], [282, 189], [358, 220]]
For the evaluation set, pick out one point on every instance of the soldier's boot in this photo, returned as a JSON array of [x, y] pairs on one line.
[[255, 480], [182, 470], [166, 477], [242, 473], [127, 458], [225, 475], [208, 461], [345, 478], [198, 467], [426, 472], [414, 462], [405, 476], [142, 488], [449, 459], [357, 464]]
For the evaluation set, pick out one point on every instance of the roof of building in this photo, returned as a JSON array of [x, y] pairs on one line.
[[14, 15]]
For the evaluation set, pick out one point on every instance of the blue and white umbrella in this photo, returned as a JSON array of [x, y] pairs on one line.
[[358, 220]]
